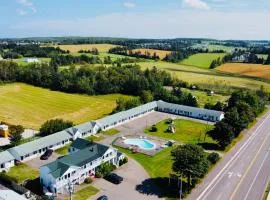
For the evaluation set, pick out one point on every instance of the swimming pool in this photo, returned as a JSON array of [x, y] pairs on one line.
[[142, 143]]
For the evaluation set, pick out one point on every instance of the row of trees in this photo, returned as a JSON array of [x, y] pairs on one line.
[[93, 51], [243, 107], [17, 51], [60, 60]]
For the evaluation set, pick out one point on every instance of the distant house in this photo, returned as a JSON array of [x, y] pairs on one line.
[[83, 159], [31, 60], [241, 58], [4, 130]]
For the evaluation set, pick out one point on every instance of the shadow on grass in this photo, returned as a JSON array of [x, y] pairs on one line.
[[161, 187], [34, 186], [210, 146]]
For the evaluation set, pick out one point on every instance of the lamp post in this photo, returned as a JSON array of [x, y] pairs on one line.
[[70, 188]]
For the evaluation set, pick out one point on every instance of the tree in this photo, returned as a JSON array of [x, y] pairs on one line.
[[189, 161], [15, 134], [146, 96], [222, 133], [54, 125]]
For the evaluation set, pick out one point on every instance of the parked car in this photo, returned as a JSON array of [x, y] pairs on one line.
[[103, 197], [113, 178], [46, 155]]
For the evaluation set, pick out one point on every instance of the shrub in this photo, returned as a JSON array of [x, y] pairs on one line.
[[88, 180], [213, 157], [154, 129], [98, 175], [7, 179], [123, 161]]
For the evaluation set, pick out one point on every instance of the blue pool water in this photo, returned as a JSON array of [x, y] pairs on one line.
[[142, 143]]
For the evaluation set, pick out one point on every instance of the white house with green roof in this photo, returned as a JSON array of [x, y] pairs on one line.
[[83, 159]]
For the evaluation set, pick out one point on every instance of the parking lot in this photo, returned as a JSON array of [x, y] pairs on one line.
[[133, 175], [37, 162]]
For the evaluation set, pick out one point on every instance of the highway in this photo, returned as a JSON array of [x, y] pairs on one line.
[[244, 172]]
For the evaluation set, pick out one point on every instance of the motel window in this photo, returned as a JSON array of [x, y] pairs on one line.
[[65, 176], [2, 165], [69, 175]]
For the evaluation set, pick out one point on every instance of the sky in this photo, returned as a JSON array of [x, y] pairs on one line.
[[217, 19]]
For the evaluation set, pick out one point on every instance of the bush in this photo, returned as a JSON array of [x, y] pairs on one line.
[[123, 161], [154, 129], [7, 179], [88, 180], [98, 175], [213, 158]]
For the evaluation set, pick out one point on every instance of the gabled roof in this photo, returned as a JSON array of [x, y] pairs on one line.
[[85, 127], [5, 156], [81, 144], [126, 114], [40, 143], [89, 153]]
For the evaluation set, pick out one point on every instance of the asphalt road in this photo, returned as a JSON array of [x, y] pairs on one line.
[[244, 172]]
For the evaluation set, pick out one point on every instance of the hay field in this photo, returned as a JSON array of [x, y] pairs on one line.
[[31, 106], [75, 48], [161, 53], [211, 79], [202, 60], [255, 70]]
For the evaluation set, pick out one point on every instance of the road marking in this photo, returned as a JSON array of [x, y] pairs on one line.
[[265, 157], [236, 155], [250, 165]]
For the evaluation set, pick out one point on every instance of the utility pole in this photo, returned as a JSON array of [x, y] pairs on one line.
[[70, 189], [180, 190]]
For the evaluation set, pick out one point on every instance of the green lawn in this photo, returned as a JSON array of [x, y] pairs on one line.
[[31, 106], [159, 165], [85, 193], [203, 97], [187, 131], [110, 132], [202, 60], [23, 172], [63, 151]]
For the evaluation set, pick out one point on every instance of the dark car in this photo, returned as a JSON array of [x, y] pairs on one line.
[[103, 197], [113, 178], [46, 155]]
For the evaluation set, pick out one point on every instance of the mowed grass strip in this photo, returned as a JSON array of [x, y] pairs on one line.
[[23, 172], [255, 70], [85, 193], [77, 47], [31, 106], [202, 60], [187, 131], [161, 53]]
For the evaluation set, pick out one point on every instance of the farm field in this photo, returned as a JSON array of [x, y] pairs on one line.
[[161, 53], [202, 60], [255, 70], [209, 79], [21, 104], [75, 48]]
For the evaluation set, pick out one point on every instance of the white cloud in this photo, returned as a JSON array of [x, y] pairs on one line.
[[21, 12], [189, 23], [129, 4], [27, 4], [197, 4]]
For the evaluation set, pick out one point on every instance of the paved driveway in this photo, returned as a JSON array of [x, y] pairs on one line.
[[37, 162], [133, 175]]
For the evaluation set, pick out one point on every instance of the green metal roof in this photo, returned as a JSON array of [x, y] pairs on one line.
[[89, 153]]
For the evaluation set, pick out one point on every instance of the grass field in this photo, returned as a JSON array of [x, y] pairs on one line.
[[255, 70], [203, 97], [31, 106], [161, 53], [187, 131], [202, 60], [75, 48], [23, 172], [208, 79], [85, 193], [21, 61]]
